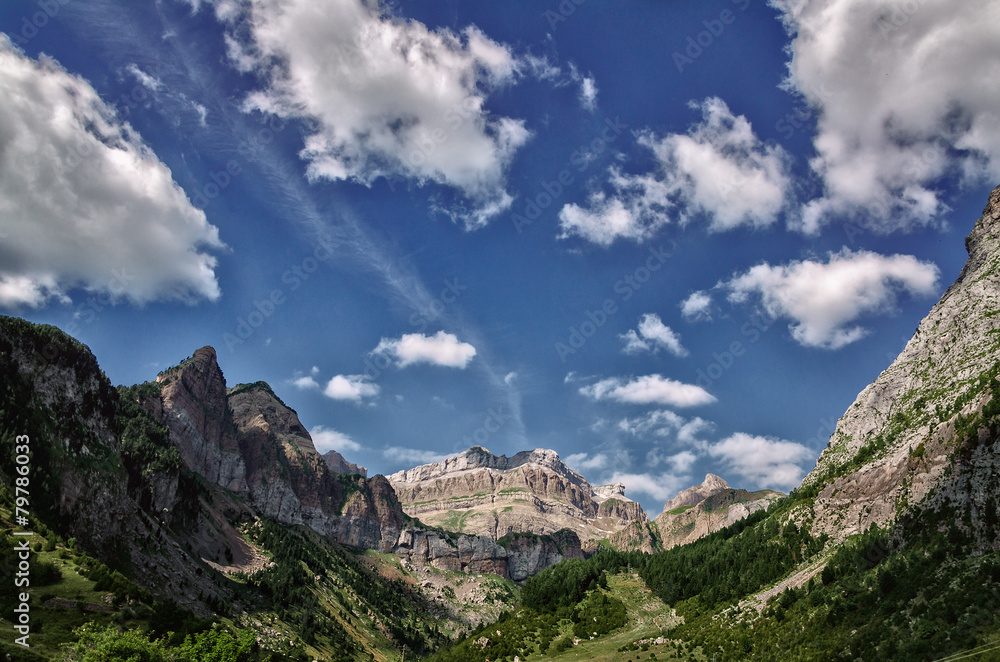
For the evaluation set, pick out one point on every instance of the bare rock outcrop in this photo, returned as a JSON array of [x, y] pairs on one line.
[[194, 407], [481, 493], [336, 463], [895, 442], [692, 514]]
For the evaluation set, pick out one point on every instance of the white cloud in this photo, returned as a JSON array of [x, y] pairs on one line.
[[652, 335], [305, 382], [443, 349], [84, 203], [690, 431], [390, 96], [901, 100], [719, 169], [660, 422], [765, 461], [588, 93], [148, 81], [413, 456], [680, 463], [822, 300], [350, 387], [509, 378], [649, 389], [327, 439], [583, 461], [659, 486], [697, 307]]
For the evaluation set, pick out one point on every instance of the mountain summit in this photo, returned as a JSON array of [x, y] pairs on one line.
[[531, 492], [897, 441]]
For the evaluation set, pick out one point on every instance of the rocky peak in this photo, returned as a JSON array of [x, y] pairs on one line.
[[336, 463], [530, 492], [896, 441], [981, 242], [478, 457], [692, 496], [613, 491], [193, 405]]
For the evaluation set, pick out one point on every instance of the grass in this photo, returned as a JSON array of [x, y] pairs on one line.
[[53, 626], [678, 510], [648, 618]]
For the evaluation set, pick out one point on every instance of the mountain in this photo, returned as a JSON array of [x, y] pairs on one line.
[[898, 442], [180, 503], [481, 493], [336, 463], [694, 495], [692, 514], [889, 549]]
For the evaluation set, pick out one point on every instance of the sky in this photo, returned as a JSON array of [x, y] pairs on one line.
[[662, 239]]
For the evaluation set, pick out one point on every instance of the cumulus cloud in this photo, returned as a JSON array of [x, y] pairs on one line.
[[649, 389], [893, 86], [588, 93], [765, 461], [413, 456], [84, 203], [443, 349], [305, 383], [651, 336], [327, 439], [718, 169], [350, 387], [697, 307], [390, 97], [679, 463], [660, 422], [823, 300], [584, 462]]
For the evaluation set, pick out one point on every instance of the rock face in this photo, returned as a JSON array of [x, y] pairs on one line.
[[336, 463], [85, 483], [896, 442], [692, 496], [516, 557], [532, 492], [692, 514], [283, 476], [193, 405]]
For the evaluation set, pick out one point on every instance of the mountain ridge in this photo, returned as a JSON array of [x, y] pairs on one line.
[[533, 491]]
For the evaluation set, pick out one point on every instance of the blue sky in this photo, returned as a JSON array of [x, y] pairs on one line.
[[662, 239]]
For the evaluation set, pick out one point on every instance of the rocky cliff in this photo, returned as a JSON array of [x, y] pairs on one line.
[[104, 473], [693, 513], [336, 463], [248, 441], [897, 441], [532, 492]]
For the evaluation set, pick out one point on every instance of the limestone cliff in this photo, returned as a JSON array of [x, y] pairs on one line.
[[194, 407], [336, 463], [897, 440], [693, 513], [283, 477], [532, 492]]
